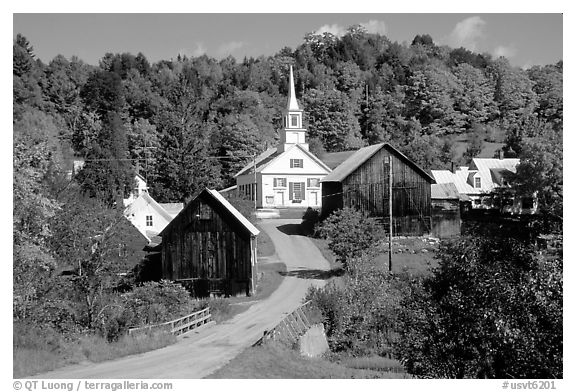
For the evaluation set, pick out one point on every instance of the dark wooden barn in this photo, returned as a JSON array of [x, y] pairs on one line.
[[210, 247], [362, 182], [446, 221]]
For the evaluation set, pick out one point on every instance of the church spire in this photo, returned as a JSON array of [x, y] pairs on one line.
[[293, 132], [292, 101]]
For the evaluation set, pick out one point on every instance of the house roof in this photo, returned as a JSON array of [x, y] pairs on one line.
[[172, 208], [147, 198], [364, 154], [229, 189], [215, 195], [444, 191], [490, 171], [271, 155]]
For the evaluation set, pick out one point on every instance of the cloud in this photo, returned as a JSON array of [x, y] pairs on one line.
[[372, 27], [335, 29], [467, 33], [199, 50], [230, 47], [375, 27], [504, 51]]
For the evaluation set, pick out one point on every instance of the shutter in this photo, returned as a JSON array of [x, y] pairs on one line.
[[301, 163], [291, 163], [290, 190], [303, 190], [308, 182], [275, 183]]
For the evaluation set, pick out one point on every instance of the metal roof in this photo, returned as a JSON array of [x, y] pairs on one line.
[[172, 208], [241, 218], [362, 155], [444, 191], [489, 170]]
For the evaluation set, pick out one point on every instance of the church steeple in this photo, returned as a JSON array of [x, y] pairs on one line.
[[293, 132], [292, 101]]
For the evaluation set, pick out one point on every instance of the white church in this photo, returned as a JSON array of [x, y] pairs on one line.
[[288, 175]]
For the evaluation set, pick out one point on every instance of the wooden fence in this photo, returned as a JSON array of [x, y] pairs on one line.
[[291, 327], [180, 325]]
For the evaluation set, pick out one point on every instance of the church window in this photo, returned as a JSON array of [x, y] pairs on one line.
[[280, 182], [313, 183], [298, 163], [294, 120]]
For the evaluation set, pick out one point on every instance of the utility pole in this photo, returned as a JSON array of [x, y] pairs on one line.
[[390, 214], [255, 184]]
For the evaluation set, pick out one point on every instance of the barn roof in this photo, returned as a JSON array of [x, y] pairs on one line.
[[444, 191], [225, 204], [362, 155], [172, 208]]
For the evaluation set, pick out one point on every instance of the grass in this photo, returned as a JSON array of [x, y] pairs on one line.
[[409, 254], [488, 149], [278, 362], [265, 244], [38, 351]]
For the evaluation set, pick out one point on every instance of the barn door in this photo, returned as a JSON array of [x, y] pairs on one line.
[[212, 255]]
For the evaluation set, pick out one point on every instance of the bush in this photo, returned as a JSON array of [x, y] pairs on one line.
[[493, 309], [156, 302], [309, 221], [361, 318], [350, 233]]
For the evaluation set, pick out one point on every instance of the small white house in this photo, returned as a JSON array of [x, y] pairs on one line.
[[148, 216], [288, 175], [140, 188]]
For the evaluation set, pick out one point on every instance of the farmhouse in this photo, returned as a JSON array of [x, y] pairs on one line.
[[485, 183], [150, 217], [362, 182], [288, 175], [210, 247]]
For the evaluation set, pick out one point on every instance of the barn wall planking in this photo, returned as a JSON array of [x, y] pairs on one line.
[[203, 243], [367, 189]]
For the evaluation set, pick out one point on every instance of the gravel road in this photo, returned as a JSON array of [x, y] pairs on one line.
[[198, 354]]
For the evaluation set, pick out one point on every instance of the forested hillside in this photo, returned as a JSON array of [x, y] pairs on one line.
[[174, 120]]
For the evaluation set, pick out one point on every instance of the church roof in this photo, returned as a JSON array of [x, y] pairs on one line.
[[270, 155]]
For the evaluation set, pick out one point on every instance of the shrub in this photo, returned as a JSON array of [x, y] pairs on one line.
[[350, 233], [156, 302], [309, 221], [493, 309]]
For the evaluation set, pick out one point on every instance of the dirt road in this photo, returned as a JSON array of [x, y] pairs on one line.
[[200, 353]]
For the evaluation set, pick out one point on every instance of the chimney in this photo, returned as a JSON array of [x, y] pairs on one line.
[[500, 154], [453, 168]]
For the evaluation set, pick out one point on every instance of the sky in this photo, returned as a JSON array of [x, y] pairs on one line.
[[525, 39]]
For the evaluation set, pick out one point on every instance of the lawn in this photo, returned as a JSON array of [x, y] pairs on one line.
[[409, 254], [278, 362]]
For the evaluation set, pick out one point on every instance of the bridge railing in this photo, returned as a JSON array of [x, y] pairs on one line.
[[291, 327], [180, 325]]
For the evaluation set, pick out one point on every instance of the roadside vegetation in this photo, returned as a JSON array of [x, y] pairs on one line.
[[474, 307], [275, 361]]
